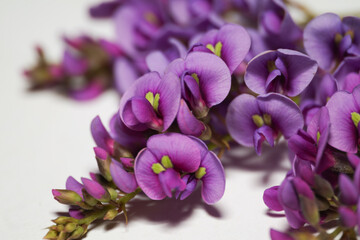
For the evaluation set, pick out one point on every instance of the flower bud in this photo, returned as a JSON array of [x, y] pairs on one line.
[[51, 234], [79, 231], [70, 227], [309, 210], [96, 190], [66, 196], [103, 161]]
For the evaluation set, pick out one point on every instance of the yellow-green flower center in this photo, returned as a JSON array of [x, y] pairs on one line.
[[154, 101], [200, 172], [216, 50], [161, 167], [261, 120], [355, 117]]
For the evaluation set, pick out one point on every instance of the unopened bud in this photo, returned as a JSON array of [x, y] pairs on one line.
[[51, 235], [79, 231], [70, 227], [66, 196]]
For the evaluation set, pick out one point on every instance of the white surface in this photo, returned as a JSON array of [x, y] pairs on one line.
[[44, 138]]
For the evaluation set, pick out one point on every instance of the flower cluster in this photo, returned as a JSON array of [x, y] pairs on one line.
[[198, 76]]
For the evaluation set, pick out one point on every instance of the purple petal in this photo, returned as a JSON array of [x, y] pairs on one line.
[[304, 170], [343, 133], [90, 91], [214, 76], [348, 217], [73, 185], [146, 178], [349, 193], [144, 112], [347, 74], [72, 65], [270, 198], [239, 119], [300, 68], [100, 153], [353, 159], [157, 61], [94, 188], [171, 180], [183, 152], [276, 235], [190, 187], [213, 182], [287, 195], [285, 114], [124, 180], [271, 22], [125, 74], [264, 133], [303, 146], [302, 188], [76, 213], [257, 72], [294, 218], [101, 136], [187, 122], [319, 39], [236, 44], [169, 89]]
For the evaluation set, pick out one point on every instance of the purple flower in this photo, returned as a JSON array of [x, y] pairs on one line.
[[348, 74], [124, 180], [151, 102], [137, 23], [205, 80], [125, 74], [95, 189], [132, 140], [231, 43], [344, 113], [328, 39], [158, 168], [251, 121], [101, 136], [188, 123], [285, 71], [312, 144]]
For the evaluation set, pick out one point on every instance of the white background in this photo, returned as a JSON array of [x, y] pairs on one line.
[[44, 138]]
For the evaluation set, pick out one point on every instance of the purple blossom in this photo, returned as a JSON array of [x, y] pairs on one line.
[[188, 123], [231, 43], [348, 74], [285, 71], [312, 144], [251, 120], [328, 39], [151, 102], [344, 112], [158, 168], [205, 80]]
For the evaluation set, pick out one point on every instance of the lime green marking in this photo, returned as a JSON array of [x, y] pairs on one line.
[[258, 120], [355, 117], [210, 47], [271, 66], [200, 172], [166, 162], [196, 77], [317, 137], [157, 168], [154, 101], [338, 38], [267, 119], [216, 50]]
